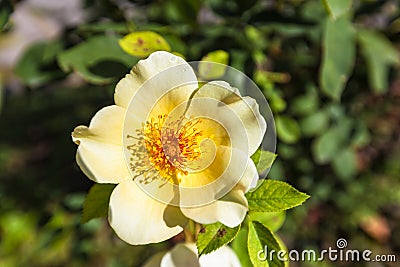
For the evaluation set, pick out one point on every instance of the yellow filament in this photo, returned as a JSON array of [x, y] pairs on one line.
[[164, 149]]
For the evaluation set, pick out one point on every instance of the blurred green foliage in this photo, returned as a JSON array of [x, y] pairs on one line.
[[329, 69], [6, 9]]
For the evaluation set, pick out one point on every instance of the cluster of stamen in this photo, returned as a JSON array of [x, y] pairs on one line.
[[164, 148]]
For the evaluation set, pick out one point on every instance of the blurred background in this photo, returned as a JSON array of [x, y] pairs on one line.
[[329, 69]]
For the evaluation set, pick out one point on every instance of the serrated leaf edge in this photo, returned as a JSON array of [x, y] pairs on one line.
[[230, 240], [302, 196]]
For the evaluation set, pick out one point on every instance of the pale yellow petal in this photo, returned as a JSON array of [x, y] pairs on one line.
[[254, 122], [102, 162], [221, 161], [250, 177], [231, 169], [105, 126], [138, 219], [100, 153], [157, 98], [234, 112], [180, 73], [186, 255], [182, 255], [230, 210], [232, 207], [223, 256]]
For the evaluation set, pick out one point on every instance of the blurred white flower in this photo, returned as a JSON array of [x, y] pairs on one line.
[[185, 255], [34, 21]]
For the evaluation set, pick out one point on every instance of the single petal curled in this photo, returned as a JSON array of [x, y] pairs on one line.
[[139, 219], [100, 152]]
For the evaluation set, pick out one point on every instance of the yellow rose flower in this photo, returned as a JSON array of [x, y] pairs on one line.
[[177, 148]]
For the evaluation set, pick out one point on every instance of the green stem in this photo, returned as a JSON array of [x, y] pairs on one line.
[[191, 231]]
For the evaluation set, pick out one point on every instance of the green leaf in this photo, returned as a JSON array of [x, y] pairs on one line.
[[255, 37], [288, 129], [182, 11], [274, 96], [336, 8], [33, 67], [313, 11], [307, 103], [326, 146], [362, 136], [274, 196], [238, 59], [259, 239], [314, 123], [84, 57], [272, 220], [209, 71], [75, 200], [16, 227], [239, 245], [263, 159], [345, 163], [214, 236], [6, 8], [142, 44], [278, 104], [338, 56], [380, 54], [284, 248], [96, 202]]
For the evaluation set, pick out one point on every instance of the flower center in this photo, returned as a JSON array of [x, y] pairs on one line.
[[164, 148]]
